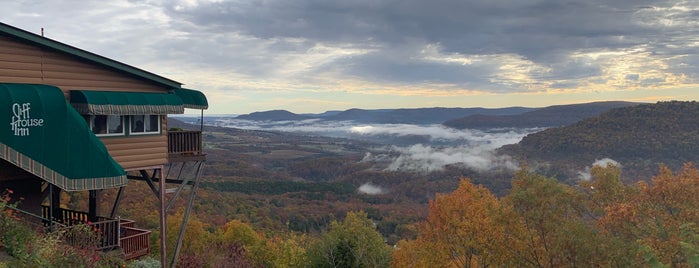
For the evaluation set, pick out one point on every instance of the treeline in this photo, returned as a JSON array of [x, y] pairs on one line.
[[280, 187], [545, 223], [541, 222]]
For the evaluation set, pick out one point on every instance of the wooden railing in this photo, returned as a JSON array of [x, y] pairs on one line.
[[110, 233], [135, 242], [106, 235], [184, 142]]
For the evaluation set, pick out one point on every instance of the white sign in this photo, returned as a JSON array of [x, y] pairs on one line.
[[22, 121]]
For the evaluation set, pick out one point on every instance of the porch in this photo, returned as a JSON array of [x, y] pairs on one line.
[[110, 234], [184, 146]]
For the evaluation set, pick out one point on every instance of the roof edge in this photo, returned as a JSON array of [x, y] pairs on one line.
[[53, 44]]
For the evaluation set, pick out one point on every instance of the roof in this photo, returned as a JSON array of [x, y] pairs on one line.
[[192, 99], [100, 60], [44, 135]]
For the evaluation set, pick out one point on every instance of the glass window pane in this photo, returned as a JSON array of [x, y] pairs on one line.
[[99, 124], [114, 124], [153, 123], [137, 123]]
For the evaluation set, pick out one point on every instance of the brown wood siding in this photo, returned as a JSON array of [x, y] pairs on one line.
[[137, 151], [24, 63]]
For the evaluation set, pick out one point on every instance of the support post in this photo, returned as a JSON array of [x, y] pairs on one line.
[[163, 220], [188, 210], [55, 203], [94, 205], [117, 201]]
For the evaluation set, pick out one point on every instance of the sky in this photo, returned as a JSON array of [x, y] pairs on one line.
[[311, 56]]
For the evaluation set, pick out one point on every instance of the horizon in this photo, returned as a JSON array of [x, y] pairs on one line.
[[310, 56], [189, 113]]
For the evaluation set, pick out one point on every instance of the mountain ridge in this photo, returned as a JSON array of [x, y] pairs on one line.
[[551, 116], [639, 137]]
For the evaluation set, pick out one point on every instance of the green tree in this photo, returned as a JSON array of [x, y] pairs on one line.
[[353, 242], [553, 231]]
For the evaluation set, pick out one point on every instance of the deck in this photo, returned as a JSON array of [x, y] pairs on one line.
[[110, 233], [184, 145]]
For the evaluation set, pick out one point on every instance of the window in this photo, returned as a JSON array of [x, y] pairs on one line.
[[106, 125], [145, 124]]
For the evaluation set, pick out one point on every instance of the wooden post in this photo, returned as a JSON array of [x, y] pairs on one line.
[[55, 203], [163, 218], [94, 205]]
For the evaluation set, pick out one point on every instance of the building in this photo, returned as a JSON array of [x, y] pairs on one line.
[[71, 120]]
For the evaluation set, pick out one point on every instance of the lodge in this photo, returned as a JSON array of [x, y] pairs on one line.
[[77, 121]]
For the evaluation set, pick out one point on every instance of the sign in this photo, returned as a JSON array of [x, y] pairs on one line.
[[22, 120]]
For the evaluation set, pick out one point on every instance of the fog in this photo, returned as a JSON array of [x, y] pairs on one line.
[[406, 147], [604, 162], [370, 189]]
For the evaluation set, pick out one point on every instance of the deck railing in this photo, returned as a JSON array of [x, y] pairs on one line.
[[135, 242], [106, 235], [184, 142], [110, 233]]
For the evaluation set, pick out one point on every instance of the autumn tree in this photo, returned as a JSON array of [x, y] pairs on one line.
[[354, 242], [661, 219], [462, 230]]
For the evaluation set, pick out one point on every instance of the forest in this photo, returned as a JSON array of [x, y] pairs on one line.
[[540, 222], [272, 199]]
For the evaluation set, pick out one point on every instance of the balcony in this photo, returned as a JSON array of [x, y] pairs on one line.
[[110, 233], [184, 145]]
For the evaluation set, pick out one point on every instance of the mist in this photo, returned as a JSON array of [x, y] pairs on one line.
[[370, 189], [407, 147], [604, 162]]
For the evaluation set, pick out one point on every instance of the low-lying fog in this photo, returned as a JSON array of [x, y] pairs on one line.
[[404, 146]]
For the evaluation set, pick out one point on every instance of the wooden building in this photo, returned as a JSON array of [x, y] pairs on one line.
[[72, 120]]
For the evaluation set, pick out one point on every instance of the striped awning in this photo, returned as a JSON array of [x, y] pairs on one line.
[[192, 99], [44, 135], [125, 103]]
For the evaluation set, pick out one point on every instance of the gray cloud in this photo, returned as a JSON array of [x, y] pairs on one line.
[[471, 45]]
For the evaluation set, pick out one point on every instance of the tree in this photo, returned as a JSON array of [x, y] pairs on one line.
[[661, 219], [553, 231], [461, 229], [353, 242]]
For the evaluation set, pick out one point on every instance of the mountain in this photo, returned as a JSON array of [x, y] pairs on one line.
[[274, 115], [435, 115], [639, 137], [552, 116]]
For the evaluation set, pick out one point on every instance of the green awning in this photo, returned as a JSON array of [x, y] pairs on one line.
[[125, 103], [192, 99], [42, 134]]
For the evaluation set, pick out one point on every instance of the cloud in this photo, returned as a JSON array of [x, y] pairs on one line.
[[384, 47], [604, 162], [370, 189], [426, 158]]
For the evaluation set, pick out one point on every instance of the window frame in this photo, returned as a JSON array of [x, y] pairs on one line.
[[91, 124], [145, 116]]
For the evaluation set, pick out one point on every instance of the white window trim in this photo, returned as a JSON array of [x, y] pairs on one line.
[[160, 126], [121, 134]]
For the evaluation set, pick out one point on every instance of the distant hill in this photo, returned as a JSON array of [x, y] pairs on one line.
[[552, 116], [275, 115], [639, 137], [435, 115]]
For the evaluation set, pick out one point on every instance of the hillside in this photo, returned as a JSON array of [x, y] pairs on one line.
[[275, 115], [552, 116], [639, 137]]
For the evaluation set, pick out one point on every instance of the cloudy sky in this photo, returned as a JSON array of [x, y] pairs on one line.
[[317, 55]]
